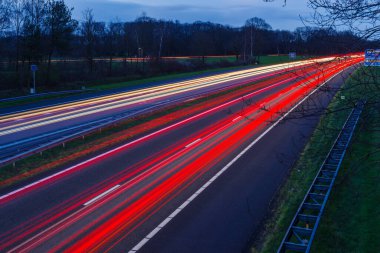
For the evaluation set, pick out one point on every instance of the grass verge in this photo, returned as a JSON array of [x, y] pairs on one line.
[[343, 217], [351, 221]]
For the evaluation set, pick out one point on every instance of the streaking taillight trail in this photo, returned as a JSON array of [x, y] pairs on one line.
[[161, 178]]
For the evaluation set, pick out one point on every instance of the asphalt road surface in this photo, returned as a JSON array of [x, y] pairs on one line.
[[29, 129], [202, 184]]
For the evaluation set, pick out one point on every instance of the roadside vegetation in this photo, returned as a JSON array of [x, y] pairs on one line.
[[351, 220]]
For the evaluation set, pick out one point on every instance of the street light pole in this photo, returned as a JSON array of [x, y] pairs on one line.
[[34, 81]]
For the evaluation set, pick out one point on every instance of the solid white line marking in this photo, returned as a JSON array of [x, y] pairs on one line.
[[101, 195], [138, 246], [208, 183], [192, 197], [184, 204], [238, 117], [191, 144], [163, 224], [174, 213], [200, 190], [153, 233]]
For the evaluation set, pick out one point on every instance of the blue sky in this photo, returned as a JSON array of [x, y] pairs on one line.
[[231, 12]]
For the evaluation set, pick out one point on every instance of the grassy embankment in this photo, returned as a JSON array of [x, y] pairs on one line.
[[116, 83], [351, 222]]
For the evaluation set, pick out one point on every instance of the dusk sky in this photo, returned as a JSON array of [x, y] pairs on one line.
[[229, 12]]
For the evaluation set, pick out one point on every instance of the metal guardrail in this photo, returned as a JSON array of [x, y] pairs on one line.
[[15, 151], [54, 140], [302, 229]]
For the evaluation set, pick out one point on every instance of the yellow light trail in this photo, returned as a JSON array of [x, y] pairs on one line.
[[109, 102]]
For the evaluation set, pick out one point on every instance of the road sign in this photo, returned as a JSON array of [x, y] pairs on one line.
[[33, 68], [372, 57], [292, 55]]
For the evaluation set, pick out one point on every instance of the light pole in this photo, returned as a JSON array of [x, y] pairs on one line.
[[141, 56]]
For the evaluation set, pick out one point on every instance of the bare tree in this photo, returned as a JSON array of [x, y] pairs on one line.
[[113, 40], [17, 20], [88, 36], [254, 26], [5, 12], [59, 27], [360, 16], [161, 29], [33, 26]]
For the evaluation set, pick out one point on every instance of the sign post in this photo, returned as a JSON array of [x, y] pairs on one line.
[[33, 68], [372, 58]]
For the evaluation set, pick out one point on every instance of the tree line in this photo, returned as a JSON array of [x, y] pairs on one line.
[[41, 31]]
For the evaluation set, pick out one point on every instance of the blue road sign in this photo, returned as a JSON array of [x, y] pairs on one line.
[[33, 68], [372, 57]]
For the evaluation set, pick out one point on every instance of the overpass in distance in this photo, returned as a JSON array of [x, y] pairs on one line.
[[200, 184]]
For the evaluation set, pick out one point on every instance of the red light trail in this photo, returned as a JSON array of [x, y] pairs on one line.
[[141, 190]]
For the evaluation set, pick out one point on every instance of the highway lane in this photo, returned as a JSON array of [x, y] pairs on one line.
[[101, 93], [227, 216], [134, 155], [20, 131], [118, 163], [18, 146], [128, 98]]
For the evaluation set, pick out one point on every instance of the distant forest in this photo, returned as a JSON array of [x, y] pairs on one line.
[[43, 32]]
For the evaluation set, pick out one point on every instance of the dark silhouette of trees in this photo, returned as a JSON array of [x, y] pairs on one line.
[[17, 20], [359, 16], [33, 28], [88, 36], [59, 29], [254, 28], [5, 13], [44, 32]]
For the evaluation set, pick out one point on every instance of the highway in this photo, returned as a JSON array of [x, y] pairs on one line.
[[200, 184], [25, 131]]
